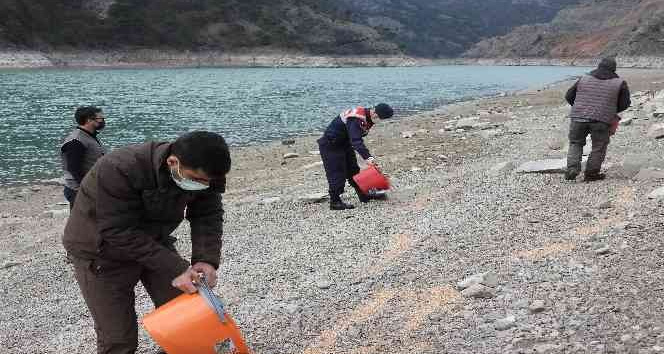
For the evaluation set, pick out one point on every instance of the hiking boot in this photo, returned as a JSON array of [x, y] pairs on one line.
[[589, 177], [570, 175], [340, 206]]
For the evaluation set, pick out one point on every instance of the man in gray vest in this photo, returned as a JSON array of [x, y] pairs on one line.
[[81, 149], [596, 99]]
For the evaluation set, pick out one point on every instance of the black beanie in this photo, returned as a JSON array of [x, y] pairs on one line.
[[384, 110], [608, 64]]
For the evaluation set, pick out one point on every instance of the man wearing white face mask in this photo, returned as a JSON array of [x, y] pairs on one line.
[[119, 230]]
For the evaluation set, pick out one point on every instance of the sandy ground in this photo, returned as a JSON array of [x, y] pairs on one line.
[[577, 266]]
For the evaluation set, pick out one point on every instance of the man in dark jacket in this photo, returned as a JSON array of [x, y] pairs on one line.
[[342, 138], [119, 230], [81, 149], [595, 99]]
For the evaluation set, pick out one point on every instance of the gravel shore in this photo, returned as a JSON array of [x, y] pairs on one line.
[[561, 267]]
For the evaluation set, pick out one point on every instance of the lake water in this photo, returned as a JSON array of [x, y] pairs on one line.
[[245, 105]]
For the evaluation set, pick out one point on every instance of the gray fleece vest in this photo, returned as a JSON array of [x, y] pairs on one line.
[[596, 99], [93, 151]]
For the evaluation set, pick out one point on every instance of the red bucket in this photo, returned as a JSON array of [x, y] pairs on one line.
[[371, 178]]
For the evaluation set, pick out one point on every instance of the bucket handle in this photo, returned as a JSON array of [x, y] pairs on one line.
[[212, 299]]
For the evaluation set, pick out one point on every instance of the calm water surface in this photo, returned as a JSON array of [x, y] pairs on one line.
[[245, 105]]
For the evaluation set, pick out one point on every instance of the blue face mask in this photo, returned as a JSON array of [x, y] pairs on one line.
[[185, 183]]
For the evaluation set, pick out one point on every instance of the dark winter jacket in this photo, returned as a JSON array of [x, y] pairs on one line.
[[128, 205], [351, 132]]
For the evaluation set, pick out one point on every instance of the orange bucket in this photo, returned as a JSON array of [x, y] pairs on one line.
[[195, 324], [371, 178]]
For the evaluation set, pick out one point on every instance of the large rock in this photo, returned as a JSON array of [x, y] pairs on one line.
[[647, 174], [57, 213], [656, 131], [505, 323], [501, 168], [313, 165], [488, 134], [657, 194], [489, 279], [545, 166], [467, 123], [478, 291], [314, 198]]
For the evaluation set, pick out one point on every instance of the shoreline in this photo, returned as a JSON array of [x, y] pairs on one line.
[[149, 58]]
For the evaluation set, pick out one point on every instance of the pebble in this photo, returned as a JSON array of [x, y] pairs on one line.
[[323, 284], [291, 155], [288, 142], [408, 134], [537, 306], [602, 250]]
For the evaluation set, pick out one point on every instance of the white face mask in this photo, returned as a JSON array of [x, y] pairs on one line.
[[187, 184]]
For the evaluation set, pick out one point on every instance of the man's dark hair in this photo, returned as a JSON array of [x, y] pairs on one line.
[[203, 150], [83, 114], [608, 63]]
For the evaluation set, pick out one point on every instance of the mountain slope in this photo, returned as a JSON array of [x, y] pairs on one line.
[[428, 28], [591, 29]]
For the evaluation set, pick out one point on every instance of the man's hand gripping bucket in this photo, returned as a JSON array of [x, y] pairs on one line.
[[195, 324]]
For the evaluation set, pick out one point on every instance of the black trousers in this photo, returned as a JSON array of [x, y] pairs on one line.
[[599, 133], [108, 290], [340, 166], [70, 195]]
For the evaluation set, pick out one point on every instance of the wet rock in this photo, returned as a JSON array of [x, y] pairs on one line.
[[288, 142], [291, 155], [478, 291], [505, 323]]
